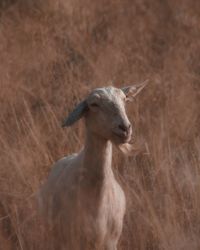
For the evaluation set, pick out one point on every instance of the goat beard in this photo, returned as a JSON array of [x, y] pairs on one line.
[[128, 149], [133, 149]]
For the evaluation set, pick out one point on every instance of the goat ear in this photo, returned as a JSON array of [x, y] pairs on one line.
[[132, 90], [76, 114]]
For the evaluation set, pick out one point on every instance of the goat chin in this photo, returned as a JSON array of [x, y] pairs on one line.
[[129, 149]]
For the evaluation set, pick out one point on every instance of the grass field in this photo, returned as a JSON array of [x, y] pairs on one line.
[[52, 53]]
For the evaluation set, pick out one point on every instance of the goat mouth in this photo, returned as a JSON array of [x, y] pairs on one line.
[[123, 137]]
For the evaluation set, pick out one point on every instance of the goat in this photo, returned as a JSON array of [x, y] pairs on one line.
[[82, 199]]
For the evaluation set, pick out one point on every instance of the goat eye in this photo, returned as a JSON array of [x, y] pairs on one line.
[[94, 104]]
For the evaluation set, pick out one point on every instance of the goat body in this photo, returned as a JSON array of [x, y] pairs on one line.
[[84, 202]]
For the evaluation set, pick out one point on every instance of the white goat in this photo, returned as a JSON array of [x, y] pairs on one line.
[[81, 198]]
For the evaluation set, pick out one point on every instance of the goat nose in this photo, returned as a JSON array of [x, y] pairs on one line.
[[125, 128]]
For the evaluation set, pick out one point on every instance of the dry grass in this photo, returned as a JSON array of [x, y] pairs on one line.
[[52, 53]]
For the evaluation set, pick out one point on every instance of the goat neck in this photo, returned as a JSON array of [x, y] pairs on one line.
[[97, 159]]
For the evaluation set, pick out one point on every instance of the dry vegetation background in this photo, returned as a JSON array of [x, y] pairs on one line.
[[51, 54]]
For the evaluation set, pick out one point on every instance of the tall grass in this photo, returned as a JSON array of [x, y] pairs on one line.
[[52, 53]]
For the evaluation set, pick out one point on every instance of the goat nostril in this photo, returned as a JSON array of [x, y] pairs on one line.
[[124, 128]]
